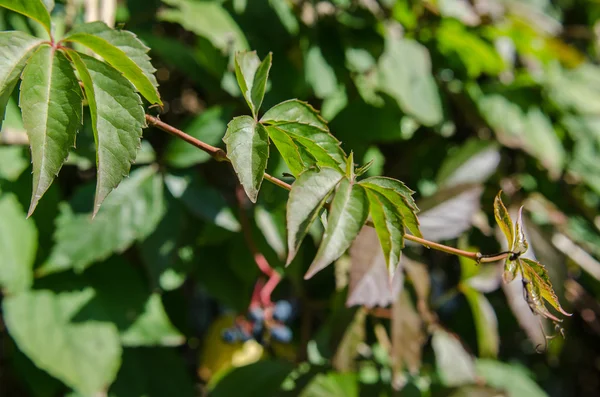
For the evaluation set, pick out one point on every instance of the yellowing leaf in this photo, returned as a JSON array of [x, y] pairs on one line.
[[536, 274], [503, 219]]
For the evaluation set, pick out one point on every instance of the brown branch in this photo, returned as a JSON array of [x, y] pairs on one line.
[[220, 155]]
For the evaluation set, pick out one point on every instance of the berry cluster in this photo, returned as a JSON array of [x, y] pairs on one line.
[[258, 320]]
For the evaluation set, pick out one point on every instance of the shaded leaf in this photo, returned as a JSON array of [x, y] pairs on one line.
[[51, 104], [508, 377], [252, 76], [369, 280], [258, 379], [248, 149], [117, 121], [349, 211], [131, 213], [12, 162], [332, 384], [455, 366], [84, 355], [307, 197], [344, 359], [408, 336], [34, 9], [16, 49], [474, 162], [123, 51], [486, 323], [18, 244]]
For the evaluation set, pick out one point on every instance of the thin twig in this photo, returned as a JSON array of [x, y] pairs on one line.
[[220, 155]]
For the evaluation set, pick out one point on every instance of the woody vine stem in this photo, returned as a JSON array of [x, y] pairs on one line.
[[220, 155]]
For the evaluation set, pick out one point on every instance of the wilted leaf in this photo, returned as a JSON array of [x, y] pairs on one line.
[[117, 124], [252, 76], [308, 195], [405, 74], [248, 149], [123, 51], [455, 366], [51, 103], [16, 49], [349, 211], [18, 244], [34, 9], [131, 213], [486, 323], [84, 355], [408, 336]]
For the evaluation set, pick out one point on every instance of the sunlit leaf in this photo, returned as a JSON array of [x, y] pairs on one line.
[[486, 323], [332, 384], [503, 219], [308, 195], [123, 51], [509, 377], [248, 149], [34, 9], [473, 162], [16, 49], [537, 275], [51, 103], [252, 76], [455, 366], [117, 120], [349, 211], [18, 244], [520, 244]]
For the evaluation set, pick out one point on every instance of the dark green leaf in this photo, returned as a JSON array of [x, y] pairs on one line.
[[34, 9], [252, 76], [248, 149], [263, 378], [51, 103], [349, 211]]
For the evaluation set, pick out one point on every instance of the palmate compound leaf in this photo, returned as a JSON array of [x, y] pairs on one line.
[[348, 213], [400, 196], [302, 137], [117, 120], [123, 51], [51, 105], [307, 197], [16, 49], [33, 9], [247, 144], [130, 213], [252, 76]]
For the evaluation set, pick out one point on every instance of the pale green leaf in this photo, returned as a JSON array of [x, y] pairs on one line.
[[85, 355], [405, 74], [123, 51], [51, 104], [400, 195], [291, 152], [16, 49], [454, 364], [486, 323], [130, 213], [503, 219], [308, 195], [18, 244], [248, 149], [285, 12], [390, 228], [252, 76], [117, 120], [13, 161], [206, 19], [34, 9], [509, 377], [319, 73], [348, 214], [333, 384]]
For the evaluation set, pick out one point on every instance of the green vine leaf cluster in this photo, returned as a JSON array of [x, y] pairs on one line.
[[51, 98], [325, 175]]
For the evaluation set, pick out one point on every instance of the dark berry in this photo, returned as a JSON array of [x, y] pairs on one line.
[[281, 333], [282, 311], [244, 335], [256, 314], [230, 335], [257, 329]]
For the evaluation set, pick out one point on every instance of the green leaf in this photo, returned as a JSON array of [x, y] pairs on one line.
[[538, 285], [33, 9], [521, 244], [503, 220], [390, 228], [206, 19], [308, 195], [400, 195], [509, 377], [117, 120], [405, 74], [252, 76], [263, 378], [123, 51], [85, 355], [248, 149], [51, 104], [454, 364], [348, 214], [18, 244], [332, 384], [295, 156], [16, 49], [209, 126], [131, 213], [319, 73], [307, 131], [13, 162], [486, 323]]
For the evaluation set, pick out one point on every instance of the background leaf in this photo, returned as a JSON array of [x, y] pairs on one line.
[[33, 9]]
